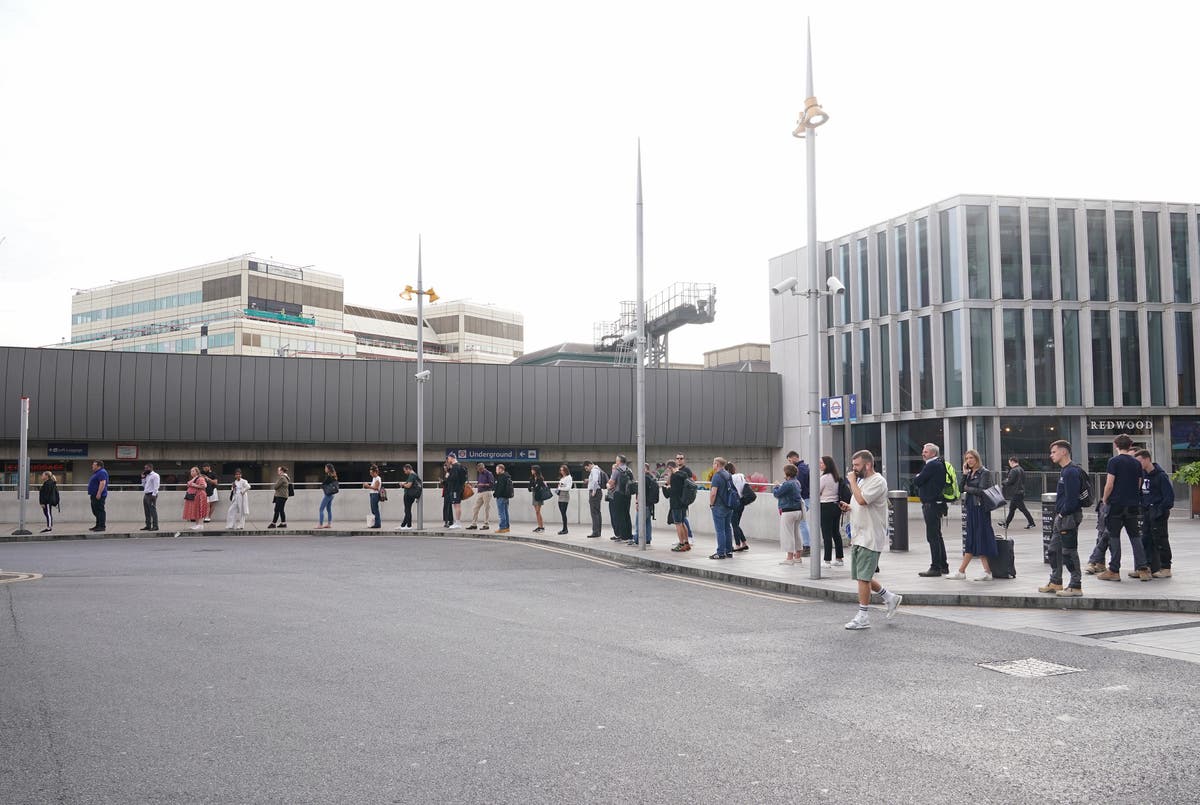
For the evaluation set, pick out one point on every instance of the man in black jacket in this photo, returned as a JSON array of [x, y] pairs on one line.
[[1158, 497], [1014, 490], [930, 482]]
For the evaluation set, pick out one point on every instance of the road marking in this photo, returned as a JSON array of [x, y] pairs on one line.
[[11, 575], [564, 552], [733, 588]]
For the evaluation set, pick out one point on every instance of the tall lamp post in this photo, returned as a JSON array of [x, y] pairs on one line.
[[639, 472], [812, 117], [422, 375]]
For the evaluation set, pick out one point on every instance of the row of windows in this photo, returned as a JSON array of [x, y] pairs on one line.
[[295, 345], [1119, 344], [138, 308], [277, 290], [477, 325], [155, 328], [222, 288], [1162, 261], [183, 344], [391, 342], [380, 315]]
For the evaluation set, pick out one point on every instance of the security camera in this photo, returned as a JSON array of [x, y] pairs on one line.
[[785, 286], [422, 376], [834, 285], [629, 338]]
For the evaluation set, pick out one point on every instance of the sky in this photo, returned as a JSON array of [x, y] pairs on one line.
[[144, 137]]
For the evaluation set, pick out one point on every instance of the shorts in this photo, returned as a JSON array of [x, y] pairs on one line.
[[455, 497], [677, 516], [863, 562]]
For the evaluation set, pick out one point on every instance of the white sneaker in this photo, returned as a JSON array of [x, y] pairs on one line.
[[955, 576], [403, 528], [826, 564], [839, 563], [860, 621], [197, 527], [984, 577], [788, 562], [455, 525], [891, 603]]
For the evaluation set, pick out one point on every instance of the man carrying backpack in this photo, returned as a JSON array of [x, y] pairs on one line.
[[1068, 513], [1158, 498], [622, 485], [677, 493], [1014, 488], [596, 483], [930, 483]]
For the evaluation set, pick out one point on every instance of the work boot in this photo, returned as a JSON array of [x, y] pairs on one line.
[[1108, 575], [1165, 573], [1144, 574], [1050, 588], [1070, 592]]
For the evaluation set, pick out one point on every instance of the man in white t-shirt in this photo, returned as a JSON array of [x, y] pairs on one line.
[[868, 525]]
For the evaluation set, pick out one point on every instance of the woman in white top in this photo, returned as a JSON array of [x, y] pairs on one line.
[[565, 482], [239, 502], [735, 520], [831, 512], [373, 486]]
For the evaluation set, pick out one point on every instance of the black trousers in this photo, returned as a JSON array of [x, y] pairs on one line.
[[594, 500], [622, 522], [831, 518], [1157, 544], [408, 506], [279, 514], [447, 511], [735, 523], [98, 512], [933, 535], [562, 509], [1015, 505]]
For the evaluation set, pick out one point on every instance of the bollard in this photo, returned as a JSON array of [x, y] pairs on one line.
[[897, 520], [1048, 501]]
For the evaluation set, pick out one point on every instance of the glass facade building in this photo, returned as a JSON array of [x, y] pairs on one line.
[[1002, 323]]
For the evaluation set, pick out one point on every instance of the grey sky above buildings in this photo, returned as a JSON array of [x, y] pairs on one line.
[[141, 137]]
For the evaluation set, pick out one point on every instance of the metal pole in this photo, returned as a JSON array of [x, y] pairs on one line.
[[814, 331], [23, 471], [640, 472], [420, 389]]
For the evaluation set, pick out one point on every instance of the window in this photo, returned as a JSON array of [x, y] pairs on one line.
[[221, 288], [1014, 358], [1150, 257], [951, 283], [1068, 270], [1185, 359], [1131, 361], [1072, 394], [847, 366], [1044, 391], [921, 227], [901, 238], [1097, 247], [983, 386], [1154, 354], [1011, 284], [881, 258], [1126, 262], [844, 276], [1102, 357], [862, 253], [925, 365], [979, 276], [953, 351], [864, 371], [1179, 257], [904, 364], [885, 370], [1040, 283]]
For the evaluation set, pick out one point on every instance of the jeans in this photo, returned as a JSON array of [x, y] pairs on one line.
[[150, 509], [1125, 517], [720, 516], [1064, 550], [280, 514], [735, 524], [594, 499], [98, 512], [804, 523], [375, 508], [1015, 505], [831, 518], [933, 535], [502, 511], [325, 508], [649, 526]]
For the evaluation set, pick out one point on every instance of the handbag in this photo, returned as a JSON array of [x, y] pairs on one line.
[[993, 497], [543, 493], [468, 490], [382, 493], [189, 495]]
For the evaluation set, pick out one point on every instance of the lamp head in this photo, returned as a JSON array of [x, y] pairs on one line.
[[432, 296], [407, 293]]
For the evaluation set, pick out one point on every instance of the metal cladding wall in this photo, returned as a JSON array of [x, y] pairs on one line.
[[114, 396]]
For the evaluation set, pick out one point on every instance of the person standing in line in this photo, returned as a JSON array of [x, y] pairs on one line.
[[1068, 513], [1014, 489], [735, 519], [930, 483], [610, 496], [504, 494], [791, 514], [456, 482], [981, 539], [97, 490], [412, 493], [624, 487], [485, 483], [210, 478], [150, 486], [195, 499], [1158, 498], [718, 501], [1123, 496], [329, 488], [645, 515], [239, 502], [373, 486], [868, 524], [565, 482], [595, 492], [447, 506], [681, 466], [283, 486], [829, 499], [48, 499], [536, 484], [677, 514], [802, 476]]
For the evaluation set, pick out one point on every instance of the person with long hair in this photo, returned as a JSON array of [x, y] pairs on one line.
[[283, 486], [791, 514], [536, 484], [981, 539], [329, 488], [565, 482], [195, 499], [831, 512], [735, 520], [373, 486], [48, 498]]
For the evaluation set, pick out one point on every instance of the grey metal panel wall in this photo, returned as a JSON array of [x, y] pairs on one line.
[[80, 395]]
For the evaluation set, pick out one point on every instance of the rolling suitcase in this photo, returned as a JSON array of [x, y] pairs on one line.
[[1003, 564]]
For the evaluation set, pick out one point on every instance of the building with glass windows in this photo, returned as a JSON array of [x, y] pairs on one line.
[[248, 306], [1002, 323]]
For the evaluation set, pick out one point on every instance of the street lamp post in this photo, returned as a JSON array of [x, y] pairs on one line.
[[422, 375], [640, 472]]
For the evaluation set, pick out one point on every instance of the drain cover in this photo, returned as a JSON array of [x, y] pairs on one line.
[[1029, 668]]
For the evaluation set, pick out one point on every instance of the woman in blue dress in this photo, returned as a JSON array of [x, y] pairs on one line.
[[981, 539]]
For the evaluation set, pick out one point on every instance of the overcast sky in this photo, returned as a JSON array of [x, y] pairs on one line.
[[141, 137]]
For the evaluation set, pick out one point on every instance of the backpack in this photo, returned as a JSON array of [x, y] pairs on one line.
[[603, 480], [844, 494], [624, 481], [1085, 487], [748, 494], [732, 498], [688, 496], [416, 489], [950, 490], [652, 493], [382, 492]]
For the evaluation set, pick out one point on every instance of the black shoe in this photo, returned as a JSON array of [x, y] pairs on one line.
[[373, 526], [593, 536], [617, 539], [472, 528], [931, 572], [44, 530], [560, 533], [483, 528], [272, 525], [154, 529], [719, 556], [1031, 525], [145, 528]]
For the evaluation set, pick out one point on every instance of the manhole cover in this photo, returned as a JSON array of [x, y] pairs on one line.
[[1029, 668]]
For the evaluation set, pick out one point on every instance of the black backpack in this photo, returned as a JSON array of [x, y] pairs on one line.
[[624, 481], [844, 495], [748, 494], [688, 496], [416, 490], [652, 492]]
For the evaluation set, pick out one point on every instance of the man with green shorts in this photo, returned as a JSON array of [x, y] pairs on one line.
[[868, 528]]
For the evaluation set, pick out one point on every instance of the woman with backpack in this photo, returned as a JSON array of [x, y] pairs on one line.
[[329, 488], [981, 539], [831, 511], [48, 498], [538, 489], [283, 490], [735, 519], [412, 493]]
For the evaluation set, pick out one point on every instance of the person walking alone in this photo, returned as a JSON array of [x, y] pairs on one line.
[[981, 539], [48, 499], [868, 527], [283, 489], [150, 486], [329, 488], [1014, 490], [195, 499]]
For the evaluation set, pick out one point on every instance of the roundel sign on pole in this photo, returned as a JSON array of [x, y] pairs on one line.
[[835, 409]]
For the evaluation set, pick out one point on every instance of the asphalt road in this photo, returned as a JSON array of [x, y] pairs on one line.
[[433, 670]]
